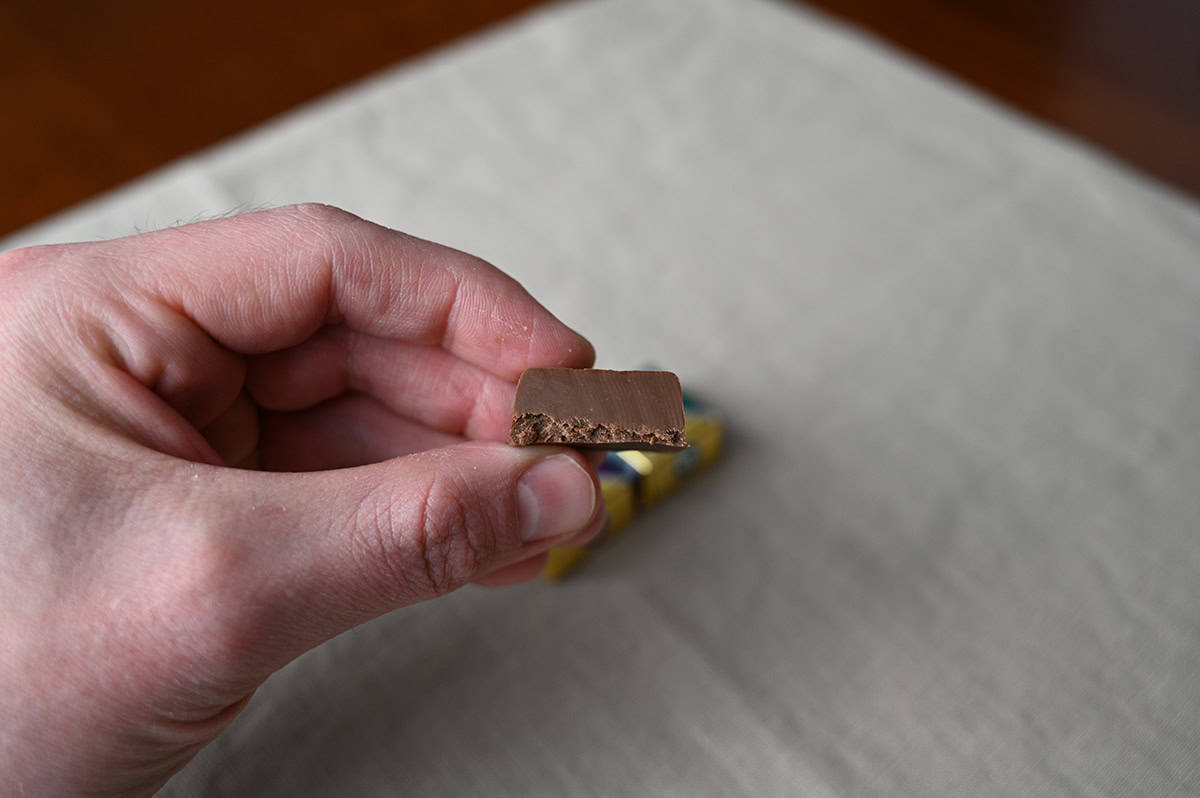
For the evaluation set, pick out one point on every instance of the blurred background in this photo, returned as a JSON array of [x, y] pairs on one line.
[[952, 548], [97, 93]]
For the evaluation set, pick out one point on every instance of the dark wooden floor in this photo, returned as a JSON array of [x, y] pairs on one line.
[[95, 93]]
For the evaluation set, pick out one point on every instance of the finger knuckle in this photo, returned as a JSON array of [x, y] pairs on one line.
[[429, 543], [454, 536]]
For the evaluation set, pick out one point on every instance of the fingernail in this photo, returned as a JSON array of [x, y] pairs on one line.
[[554, 497]]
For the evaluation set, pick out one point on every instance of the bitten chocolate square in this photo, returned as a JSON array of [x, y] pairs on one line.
[[599, 409]]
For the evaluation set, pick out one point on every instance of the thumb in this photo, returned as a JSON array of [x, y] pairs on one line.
[[306, 556]]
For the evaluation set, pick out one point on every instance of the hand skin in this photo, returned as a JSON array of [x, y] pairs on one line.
[[147, 585]]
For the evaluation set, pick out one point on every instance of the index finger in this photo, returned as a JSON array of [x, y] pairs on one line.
[[264, 281]]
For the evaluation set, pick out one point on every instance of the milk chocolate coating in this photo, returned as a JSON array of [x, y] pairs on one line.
[[598, 409]]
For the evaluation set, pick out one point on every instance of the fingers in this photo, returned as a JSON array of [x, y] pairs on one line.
[[526, 569], [349, 430], [234, 434], [173, 357], [304, 556], [268, 280], [514, 574], [424, 383]]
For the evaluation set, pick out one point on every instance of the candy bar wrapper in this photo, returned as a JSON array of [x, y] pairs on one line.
[[632, 481]]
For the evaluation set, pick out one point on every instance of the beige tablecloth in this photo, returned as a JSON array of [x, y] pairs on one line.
[[955, 546]]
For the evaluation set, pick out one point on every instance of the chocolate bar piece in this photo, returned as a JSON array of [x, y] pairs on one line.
[[597, 409]]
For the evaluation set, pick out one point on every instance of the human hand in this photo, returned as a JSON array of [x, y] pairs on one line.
[[148, 587]]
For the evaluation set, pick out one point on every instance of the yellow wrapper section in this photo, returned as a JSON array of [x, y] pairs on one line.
[[619, 500], [659, 473], [656, 472], [706, 436], [562, 561]]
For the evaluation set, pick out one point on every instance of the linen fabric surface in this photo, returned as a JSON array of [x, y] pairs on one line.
[[953, 547]]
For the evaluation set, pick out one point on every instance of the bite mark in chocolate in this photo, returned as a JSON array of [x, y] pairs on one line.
[[599, 409]]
